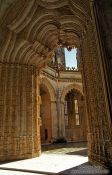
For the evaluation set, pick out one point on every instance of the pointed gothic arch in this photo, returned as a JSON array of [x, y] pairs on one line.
[[47, 84], [74, 86]]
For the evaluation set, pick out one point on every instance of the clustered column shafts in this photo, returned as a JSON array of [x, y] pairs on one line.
[[18, 111]]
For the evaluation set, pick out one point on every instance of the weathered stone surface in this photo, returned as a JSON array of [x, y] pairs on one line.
[[29, 33], [18, 107]]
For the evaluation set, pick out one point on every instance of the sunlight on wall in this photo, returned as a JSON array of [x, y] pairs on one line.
[[70, 58]]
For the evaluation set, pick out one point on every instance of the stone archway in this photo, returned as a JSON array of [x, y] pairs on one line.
[[30, 31], [52, 126], [44, 81], [45, 115]]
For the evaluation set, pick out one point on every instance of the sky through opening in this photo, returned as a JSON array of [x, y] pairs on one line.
[[70, 58]]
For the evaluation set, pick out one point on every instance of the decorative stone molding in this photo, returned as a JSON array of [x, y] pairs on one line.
[[95, 98]]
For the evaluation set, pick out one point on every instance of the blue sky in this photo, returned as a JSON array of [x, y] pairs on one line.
[[70, 58]]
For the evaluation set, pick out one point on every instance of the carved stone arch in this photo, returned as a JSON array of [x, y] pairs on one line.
[[69, 88], [47, 84]]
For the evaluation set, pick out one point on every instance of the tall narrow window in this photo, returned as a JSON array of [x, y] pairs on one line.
[[66, 113], [77, 118]]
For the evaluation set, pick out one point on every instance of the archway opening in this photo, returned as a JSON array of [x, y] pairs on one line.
[[45, 115], [65, 82]]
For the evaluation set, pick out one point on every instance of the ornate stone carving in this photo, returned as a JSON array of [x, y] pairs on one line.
[[30, 32]]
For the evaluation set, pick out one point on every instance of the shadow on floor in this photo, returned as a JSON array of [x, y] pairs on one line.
[[80, 153], [64, 145], [86, 169], [83, 169]]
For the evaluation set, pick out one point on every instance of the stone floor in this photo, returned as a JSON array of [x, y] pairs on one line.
[[63, 159]]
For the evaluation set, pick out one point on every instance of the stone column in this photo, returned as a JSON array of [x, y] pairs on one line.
[[58, 112], [18, 112], [101, 11], [62, 120], [54, 120], [38, 141], [99, 139], [59, 117]]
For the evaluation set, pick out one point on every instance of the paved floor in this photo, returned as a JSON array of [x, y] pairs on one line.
[[68, 159]]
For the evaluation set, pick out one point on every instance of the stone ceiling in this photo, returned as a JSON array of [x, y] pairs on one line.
[[31, 29]]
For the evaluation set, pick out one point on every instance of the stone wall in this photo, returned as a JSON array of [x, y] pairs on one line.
[[18, 112], [104, 22], [99, 129]]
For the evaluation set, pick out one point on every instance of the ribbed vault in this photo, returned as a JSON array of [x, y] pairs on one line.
[[31, 30]]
